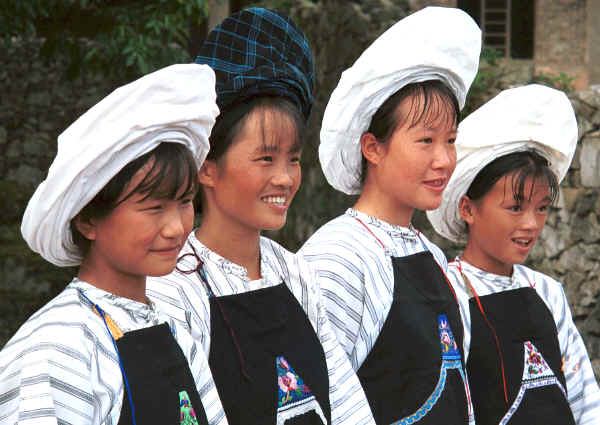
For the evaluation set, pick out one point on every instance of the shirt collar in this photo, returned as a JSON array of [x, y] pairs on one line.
[[487, 277], [393, 230]]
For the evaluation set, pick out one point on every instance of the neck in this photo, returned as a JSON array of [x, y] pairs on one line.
[[108, 279], [483, 262], [374, 202], [240, 246]]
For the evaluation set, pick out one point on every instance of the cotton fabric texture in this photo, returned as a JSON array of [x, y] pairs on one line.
[[528, 117], [435, 43], [582, 389], [259, 52], [61, 365], [175, 104]]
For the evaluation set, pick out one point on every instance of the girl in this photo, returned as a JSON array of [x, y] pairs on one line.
[[526, 360], [117, 202], [388, 136], [254, 306]]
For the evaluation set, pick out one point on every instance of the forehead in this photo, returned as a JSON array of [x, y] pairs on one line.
[[268, 128], [534, 188], [433, 112]]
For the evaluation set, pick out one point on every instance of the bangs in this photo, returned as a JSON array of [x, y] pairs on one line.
[[277, 124], [430, 108], [172, 173], [538, 175]]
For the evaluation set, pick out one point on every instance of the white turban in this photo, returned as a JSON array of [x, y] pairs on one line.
[[532, 117], [175, 104], [435, 43]]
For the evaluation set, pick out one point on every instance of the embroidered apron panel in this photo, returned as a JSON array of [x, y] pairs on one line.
[[269, 324], [529, 348], [404, 375], [158, 373]]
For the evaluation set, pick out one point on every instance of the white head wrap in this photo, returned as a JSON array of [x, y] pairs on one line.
[[175, 104], [532, 117], [435, 43]]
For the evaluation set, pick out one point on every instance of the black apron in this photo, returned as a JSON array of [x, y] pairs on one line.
[[266, 359], [513, 335], [414, 372], [159, 386]]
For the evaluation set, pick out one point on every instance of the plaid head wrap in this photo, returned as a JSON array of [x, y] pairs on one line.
[[259, 52]]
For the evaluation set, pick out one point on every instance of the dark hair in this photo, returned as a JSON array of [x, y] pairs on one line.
[[430, 100], [173, 168], [525, 164], [229, 124]]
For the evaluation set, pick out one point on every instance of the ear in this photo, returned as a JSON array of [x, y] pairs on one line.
[[371, 148], [465, 209], [86, 227], [208, 173]]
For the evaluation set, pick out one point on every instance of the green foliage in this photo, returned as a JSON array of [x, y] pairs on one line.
[[487, 81], [123, 39], [560, 81]]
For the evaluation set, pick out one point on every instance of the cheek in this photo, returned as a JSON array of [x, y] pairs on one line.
[[188, 220]]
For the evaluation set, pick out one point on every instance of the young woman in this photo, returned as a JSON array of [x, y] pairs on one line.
[[117, 202], [526, 360], [388, 136], [254, 306]]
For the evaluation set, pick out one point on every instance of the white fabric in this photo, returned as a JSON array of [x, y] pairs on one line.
[[435, 43], [180, 295], [528, 117], [61, 365], [175, 104], [582, 389]]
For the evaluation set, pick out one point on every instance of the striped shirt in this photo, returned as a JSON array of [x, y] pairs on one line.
[[356, 275], [61, 365], [181, 295], [582, 389]]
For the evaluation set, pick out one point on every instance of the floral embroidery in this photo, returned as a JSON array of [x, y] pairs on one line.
[[536, 374], [294, 397], [449, 346], [535, 364], [291, 386], [187, 415]]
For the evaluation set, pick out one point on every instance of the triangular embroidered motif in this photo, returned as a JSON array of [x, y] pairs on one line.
[[187, 416], [294, 397], [535, 365], [449, 346]]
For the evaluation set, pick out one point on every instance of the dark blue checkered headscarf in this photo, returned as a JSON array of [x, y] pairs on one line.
[[259, 52]]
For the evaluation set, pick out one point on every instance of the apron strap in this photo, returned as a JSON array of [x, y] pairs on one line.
[[199, 269], [472, 291], [107, 319]]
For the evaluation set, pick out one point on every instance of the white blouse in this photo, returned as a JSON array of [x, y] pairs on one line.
[[184, 295], [582, 389], [356, 275], [61, 365]]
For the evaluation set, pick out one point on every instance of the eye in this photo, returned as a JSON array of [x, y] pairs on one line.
[[426, 140], [543, 208], [514, 208], [295, 159], [187, 200], [152, 207], [266, 158], [451, 141]]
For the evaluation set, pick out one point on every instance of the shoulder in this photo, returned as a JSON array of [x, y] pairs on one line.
[[342, 240], [436, 251]]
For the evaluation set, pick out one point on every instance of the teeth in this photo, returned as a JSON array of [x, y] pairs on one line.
[[278, 200], [522, 241]]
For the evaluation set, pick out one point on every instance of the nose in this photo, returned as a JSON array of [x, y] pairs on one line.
[[173, 226], [284, 176], [530, 221], [444, 156]]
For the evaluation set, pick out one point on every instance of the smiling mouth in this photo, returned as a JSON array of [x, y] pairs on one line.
[[275, 200], [437, 183], [524, 243]]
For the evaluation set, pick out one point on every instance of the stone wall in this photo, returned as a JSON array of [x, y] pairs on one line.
[[560, 38]]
